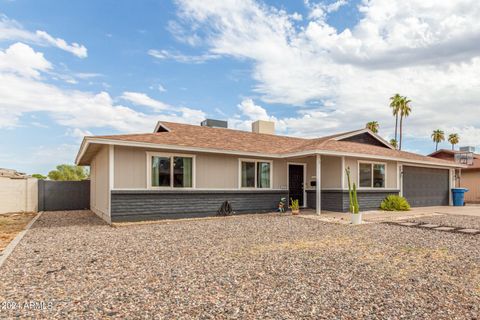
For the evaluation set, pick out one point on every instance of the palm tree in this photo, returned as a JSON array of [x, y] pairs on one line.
[[437, 137], [395, 105], [394, 143], [372, 126], [405, 111], [454, 139]]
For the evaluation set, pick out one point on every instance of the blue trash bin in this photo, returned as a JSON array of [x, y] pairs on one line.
[[458, 195]]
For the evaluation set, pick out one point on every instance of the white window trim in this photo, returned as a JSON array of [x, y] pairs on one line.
[[240, 160], [170, 155], [371, 163]]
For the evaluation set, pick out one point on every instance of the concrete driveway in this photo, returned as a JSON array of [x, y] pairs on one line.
[[464, 211], [382, 216]]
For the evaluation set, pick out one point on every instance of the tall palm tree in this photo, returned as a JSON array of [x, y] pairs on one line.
[[372, 126], [405, 111], [454, 139], [437, 137], [395, 105], [394, 143]]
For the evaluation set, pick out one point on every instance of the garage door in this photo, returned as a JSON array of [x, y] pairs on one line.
[[426, 186]]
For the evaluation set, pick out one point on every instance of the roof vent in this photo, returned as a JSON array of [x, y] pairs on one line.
[[212, 123], [262, 126]]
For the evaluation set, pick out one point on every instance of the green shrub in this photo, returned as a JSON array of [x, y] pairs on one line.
[[395, 203]]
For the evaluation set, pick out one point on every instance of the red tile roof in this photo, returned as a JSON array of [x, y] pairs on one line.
[[222, 139]]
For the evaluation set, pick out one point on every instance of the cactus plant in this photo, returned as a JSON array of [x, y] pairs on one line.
[[352, 194]]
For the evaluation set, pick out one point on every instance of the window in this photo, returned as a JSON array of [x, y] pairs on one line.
[[171, 171], [160, 172], [182, 172], [263, 174], [248, 174], [255, 174], [371, 175]]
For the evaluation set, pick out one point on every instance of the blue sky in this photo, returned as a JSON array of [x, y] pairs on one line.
[[70, 68]]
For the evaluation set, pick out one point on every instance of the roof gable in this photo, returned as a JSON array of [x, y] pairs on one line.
[[364, 136], [160, 127]]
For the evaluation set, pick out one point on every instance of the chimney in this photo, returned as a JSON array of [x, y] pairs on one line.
[[212, 123], [262, 126]]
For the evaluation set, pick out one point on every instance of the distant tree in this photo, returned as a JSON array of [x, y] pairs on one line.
[[372, 126], [437, 137], [394, 143], [405, 110], [454, 139], [39, 176], [395, 102], [66, 172]]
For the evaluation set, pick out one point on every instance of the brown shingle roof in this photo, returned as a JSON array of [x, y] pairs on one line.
[[242, 141]]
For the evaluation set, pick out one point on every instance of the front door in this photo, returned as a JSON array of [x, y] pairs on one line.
[[295, 183]]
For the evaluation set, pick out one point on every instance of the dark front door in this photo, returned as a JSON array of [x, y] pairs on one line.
[[295, 183], [426, 186]]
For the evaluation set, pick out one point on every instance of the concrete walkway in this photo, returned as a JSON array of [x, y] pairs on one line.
[[376, 216]]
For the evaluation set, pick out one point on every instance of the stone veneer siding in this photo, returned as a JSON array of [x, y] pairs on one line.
[[337, 200], [137, 205]]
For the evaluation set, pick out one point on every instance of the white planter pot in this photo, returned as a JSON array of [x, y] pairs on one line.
[[356, 218]]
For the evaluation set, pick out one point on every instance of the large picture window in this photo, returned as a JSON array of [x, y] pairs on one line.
[[371, 175], [255, 174], [171, 171]]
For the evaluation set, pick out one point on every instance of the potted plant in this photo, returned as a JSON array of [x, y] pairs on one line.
[[294, 206], [355, 213]]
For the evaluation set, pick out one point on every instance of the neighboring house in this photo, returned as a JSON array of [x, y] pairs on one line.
[[183, 170], [467, 177], [12, 174]]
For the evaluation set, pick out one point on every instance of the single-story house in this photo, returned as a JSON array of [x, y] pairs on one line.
[[467, 177], [182, 170]]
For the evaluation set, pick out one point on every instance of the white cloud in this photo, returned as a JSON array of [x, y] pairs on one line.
[[23, 90], [23, 60], [161, 88], [427, 50], [12, 30], [252, 111], [167, 55], [143, 100], [74, 48], [77, 133]]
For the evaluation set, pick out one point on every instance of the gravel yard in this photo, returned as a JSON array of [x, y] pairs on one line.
[[245, 267]]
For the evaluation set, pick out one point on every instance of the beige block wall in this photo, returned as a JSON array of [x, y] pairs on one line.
[[471, 181], [392, 176], [18, 195], [99, 184]]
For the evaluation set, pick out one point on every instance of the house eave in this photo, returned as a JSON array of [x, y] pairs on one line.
[[92, 140]]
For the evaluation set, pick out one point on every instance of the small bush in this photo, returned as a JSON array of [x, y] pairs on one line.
[[395, 203]]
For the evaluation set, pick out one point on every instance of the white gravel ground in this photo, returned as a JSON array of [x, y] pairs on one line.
[[248, 267]]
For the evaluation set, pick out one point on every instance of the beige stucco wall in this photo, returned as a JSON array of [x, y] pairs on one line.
[[217, 171], [18, 195], [331, 171], [213, 171], [99, 184], [392, 177]]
